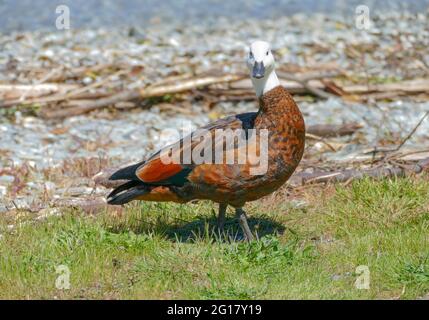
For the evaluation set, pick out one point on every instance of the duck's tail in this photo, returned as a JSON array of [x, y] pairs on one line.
[[127, 192]]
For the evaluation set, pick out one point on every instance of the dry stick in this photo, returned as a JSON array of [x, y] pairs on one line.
[[313, 75], [402, 155], [55, 96], [81, 92], [322, 75], [332, 130], [302, 178], [91, 105], [175, 78], [77, 93], [35, 91], [408, 137], [412, 131], [48, 76], [94, 85], [407, 86], [156, 90], [75, 73], [320, 139], [152, 91], [214, 97], [305, 83]]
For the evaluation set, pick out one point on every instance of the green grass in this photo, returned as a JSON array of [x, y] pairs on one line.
[[169, 251]]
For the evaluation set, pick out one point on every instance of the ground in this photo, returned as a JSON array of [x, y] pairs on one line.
[[310, 243]]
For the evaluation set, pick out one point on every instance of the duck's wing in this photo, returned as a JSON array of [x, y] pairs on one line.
[[155, 171], [239, 121]]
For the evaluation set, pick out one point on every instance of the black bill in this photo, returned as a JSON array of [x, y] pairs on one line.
[[258, 70]]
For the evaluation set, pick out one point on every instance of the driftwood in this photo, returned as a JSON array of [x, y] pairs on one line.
[[305, 82], [55, 98], [294, 86], [58, 92], [408, 137], [15, 92], [64, 100], [408, 86], [333, 130], [152, 91], [397, 170], [310, 136]]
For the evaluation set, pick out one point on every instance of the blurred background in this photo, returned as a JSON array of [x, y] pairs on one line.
[[86, 85], [28, 15]]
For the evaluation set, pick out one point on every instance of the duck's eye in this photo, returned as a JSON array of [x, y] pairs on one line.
[[267, 53]]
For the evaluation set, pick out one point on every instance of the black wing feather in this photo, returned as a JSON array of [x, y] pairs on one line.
[[127, 173]]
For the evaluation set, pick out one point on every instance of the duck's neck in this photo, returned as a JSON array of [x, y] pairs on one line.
[[262, 86]]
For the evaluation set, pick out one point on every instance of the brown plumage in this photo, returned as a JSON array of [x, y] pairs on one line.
[[226, 184]]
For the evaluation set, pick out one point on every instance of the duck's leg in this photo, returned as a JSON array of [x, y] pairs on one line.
[[242, 220], [221, 216]]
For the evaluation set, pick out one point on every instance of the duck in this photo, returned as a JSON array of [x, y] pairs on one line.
[[277, 133]]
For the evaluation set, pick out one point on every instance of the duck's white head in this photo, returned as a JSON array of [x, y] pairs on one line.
[[260, 62]]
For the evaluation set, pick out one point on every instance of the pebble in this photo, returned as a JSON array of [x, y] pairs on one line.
[[7, 179], [3, 191], [87, 80], [3, 208]]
